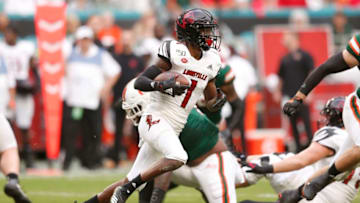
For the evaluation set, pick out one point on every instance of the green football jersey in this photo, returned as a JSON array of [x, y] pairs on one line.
[[354, 46], [224, 77], [199, 135]]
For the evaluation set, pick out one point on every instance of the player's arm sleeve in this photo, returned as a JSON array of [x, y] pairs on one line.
[[334, 64], [237, 109], [146, 78], [353, 47], [145, 81]]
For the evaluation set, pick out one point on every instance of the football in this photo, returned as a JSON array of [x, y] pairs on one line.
[[167, 75]]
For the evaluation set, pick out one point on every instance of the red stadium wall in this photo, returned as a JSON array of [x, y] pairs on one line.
[[318, 42], [271, 50]]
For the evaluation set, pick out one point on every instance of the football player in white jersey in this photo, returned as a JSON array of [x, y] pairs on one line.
[[344, 192], [18, 58], [349, 157], [208, 156], [10, 162], [195, 56], [326, 144]]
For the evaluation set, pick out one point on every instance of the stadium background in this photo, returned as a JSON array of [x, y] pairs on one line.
[[254, 27]]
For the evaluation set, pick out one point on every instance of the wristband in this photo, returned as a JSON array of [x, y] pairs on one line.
[[333, 171]]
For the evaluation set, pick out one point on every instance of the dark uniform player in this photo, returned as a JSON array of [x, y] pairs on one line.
[[224, 81], [348, 58]]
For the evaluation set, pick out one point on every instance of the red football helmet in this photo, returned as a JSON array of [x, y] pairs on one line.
[[199, 27]]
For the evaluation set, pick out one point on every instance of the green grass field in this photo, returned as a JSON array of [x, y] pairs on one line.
[[84, 184], [67, 188]]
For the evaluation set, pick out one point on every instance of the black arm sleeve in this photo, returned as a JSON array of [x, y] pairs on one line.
[[236, 108], [144, 80], [334, 64]]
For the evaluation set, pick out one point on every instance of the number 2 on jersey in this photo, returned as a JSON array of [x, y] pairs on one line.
[[188, 93]]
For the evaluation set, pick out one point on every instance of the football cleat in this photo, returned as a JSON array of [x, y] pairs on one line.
[[120, 195], [13, 189]]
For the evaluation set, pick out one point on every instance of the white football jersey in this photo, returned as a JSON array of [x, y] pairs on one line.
[[7, 81], [198, 72], [17, 58], [345, 191], [332, 138]]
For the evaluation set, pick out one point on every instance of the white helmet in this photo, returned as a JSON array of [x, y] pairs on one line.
[[133, 102]]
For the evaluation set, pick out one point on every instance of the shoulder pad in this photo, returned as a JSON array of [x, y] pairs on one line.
[[324, 133], [164, 50]]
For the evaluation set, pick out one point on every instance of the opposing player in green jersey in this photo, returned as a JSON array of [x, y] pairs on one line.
[[207, 154], [224, 81], [349, 155]]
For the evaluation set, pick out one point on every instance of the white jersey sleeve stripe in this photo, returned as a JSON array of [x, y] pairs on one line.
[[164, 50]]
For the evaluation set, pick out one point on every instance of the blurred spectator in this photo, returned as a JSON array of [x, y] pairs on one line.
[[242, 4], [90, 75], [110, 34], [148, 48], [144, 27], [96, 25], [217, 4], [245, 81], [316, 4], [294, 68], [7, 89], [79, 5], [18, 56], [245, 74], [19, 7], [342, 30], [176, 7], [351, 3], [299, 19], [131, 66], [72, 24], [131, 5], [4, 22]]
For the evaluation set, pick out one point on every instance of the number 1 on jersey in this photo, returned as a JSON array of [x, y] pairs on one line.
[[188, 93]]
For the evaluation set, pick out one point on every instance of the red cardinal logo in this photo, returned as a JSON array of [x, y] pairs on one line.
[[150, 122]]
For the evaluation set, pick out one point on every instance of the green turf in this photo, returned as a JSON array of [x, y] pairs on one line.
[[70, 188]]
